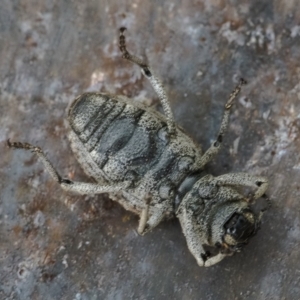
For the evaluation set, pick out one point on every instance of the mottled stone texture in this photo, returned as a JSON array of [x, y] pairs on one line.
[[55, 245]]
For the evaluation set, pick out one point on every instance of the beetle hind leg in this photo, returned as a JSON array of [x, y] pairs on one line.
[[155, 82]]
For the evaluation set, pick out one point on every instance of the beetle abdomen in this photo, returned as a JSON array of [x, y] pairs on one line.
[[122, 139]]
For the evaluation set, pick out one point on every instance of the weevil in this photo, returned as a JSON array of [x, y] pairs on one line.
[[153, 168]]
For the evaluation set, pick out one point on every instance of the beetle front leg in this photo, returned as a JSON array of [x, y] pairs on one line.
[[259, 183], [69, 185], [193, 235], [214, 259]]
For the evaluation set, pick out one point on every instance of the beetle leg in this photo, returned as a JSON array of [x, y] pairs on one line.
[[214, 259], [143, 220], [151, 218], [156, 83], [269, 204], [216, 145], [66, 184], [259, 183], [192, 232], [85, 188], [39, 152]]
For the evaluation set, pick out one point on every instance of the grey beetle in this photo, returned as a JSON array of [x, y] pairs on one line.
[[153, 168]]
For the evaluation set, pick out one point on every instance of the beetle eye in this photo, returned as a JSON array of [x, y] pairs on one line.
[[240, 227], [231, 230]]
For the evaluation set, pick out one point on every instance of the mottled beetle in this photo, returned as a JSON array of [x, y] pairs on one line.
[[151, 167]]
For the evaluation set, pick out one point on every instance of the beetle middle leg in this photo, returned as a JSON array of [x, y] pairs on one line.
[[150, 218], [143, 220], [69, 185], [156, 83], [216, 145]]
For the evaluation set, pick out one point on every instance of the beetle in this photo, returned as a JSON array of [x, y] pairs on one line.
[[153, 168]]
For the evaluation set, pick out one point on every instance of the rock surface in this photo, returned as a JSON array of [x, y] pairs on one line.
[[56, 245]]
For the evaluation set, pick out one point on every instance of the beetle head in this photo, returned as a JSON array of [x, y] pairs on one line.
[[238, 229]]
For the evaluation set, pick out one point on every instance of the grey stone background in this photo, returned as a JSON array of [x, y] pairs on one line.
[[54, 245]]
